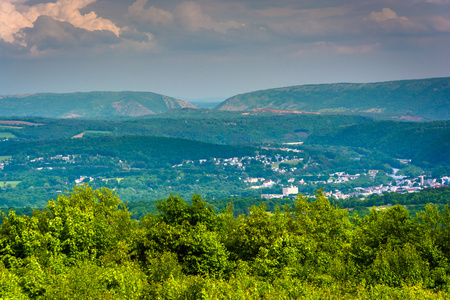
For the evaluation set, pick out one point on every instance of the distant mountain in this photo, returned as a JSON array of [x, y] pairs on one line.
[[90, 104], [422, 99]]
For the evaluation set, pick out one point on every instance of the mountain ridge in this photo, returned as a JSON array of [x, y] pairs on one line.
[[423, 99], [88, 104]]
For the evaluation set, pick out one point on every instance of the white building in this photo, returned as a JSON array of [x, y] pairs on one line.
[[293, 190]]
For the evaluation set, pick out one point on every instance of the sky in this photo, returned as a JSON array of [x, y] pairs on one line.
[[209, 49]]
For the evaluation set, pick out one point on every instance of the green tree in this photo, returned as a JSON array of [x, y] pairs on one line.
[[84, 224]]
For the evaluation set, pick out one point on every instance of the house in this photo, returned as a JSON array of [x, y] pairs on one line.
[[82, 178], [268, 183], [373, 173], [252, 180]]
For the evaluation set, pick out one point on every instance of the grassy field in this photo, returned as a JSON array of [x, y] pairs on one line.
[[10, 183], [108, 179], [5, 157], [6, 135], [289, 162]]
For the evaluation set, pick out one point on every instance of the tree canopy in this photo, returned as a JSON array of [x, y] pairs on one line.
[[85, 245]]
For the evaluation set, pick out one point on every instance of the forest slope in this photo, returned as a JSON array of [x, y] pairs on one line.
[[421, 142], [407, 99], [155, 150]]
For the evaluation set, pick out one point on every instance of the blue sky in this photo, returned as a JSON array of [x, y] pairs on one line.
[[217, 48]]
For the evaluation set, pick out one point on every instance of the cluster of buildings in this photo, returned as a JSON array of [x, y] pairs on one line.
[[402, 185]]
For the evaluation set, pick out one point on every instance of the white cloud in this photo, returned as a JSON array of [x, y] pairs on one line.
[[384, 15], [142, 45], [69, 11], [440, 23], [11, 21], [153, 15], [14, 18], [438, 1], [390, 22], [190, 15]]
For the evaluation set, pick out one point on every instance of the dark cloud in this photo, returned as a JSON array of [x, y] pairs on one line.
[[48, 33], [10, 50]]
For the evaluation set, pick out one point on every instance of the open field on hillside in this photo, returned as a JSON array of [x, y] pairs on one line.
[[293, 162], [6, 135], [20, 123], [92, 133], [5, 157], [9, 183]]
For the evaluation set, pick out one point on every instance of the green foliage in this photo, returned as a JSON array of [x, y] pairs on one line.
[[85, 246], [10, 285], [257, 231], [410, 171], [174, 211], [378, 229], [84, 225]]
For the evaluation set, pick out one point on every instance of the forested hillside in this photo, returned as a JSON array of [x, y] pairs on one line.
[[84, 245], [426, 99], [155, 151], [89, 104], [421, 142], [205, 126], [43, 159]]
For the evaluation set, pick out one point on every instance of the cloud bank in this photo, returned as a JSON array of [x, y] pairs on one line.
[[17, 17], [232, 44]]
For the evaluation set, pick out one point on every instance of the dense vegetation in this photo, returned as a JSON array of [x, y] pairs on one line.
[[426, 98], [148, 168], [424, 143], [415, 202], [204, 126], [84, 245], [155, 151]]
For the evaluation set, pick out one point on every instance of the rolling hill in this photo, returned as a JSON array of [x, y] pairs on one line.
[[157, 151], [420, 141], [422, 99], [89, 104]]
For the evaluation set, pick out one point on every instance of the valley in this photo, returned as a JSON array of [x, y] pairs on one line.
[[274, 193], [156, 145]]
